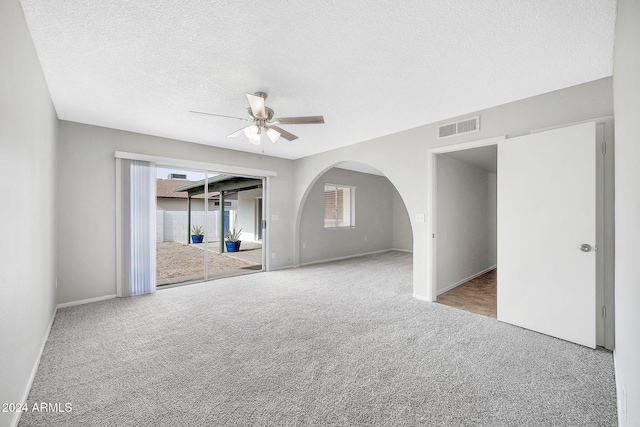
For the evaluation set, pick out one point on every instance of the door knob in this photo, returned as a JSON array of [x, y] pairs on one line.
[[585, 247]]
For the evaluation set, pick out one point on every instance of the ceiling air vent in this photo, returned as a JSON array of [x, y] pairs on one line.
[[463, 126]]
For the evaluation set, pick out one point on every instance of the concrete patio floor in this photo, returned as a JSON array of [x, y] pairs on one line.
[[249, 251]]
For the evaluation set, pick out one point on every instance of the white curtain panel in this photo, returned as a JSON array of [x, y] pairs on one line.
[[138, 228]]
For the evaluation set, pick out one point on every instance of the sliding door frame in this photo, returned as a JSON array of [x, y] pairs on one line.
[[207, 168]]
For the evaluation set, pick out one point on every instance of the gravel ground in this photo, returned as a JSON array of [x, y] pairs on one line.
[[174, 259]]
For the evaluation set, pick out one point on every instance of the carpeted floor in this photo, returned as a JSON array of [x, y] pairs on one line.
[[337, 344]]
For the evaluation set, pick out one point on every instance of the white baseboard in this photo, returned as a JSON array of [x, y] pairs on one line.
[[473, 276], [283, 267], [16, 417], [345, 257], [86, 301], [421, 298], [620, 396], [409, 251]]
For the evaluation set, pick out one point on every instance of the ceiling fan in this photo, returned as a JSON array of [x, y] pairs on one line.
[[263, 121]]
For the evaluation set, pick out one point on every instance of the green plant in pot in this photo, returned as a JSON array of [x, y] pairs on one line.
[[233, 240], [197, 234]]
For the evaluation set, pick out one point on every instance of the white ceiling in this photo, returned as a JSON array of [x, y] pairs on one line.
[[371, 68]]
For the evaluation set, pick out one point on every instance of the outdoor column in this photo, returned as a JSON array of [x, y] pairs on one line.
[[221, 221], [189, 219]]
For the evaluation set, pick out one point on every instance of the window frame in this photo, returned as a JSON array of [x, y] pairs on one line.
[[352, 206]]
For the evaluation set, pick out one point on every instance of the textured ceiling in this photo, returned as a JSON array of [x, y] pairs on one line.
[[371, 68]]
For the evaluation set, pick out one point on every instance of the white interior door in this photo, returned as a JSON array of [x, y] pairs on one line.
[[546, 212]]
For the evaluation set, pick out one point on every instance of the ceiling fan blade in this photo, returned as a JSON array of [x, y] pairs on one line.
[[257, 105], [283, 133], [299, 120], [237, 133], [219, 115]]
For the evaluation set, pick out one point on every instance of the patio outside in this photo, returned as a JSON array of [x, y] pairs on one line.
[[178, 262], [183, 207]]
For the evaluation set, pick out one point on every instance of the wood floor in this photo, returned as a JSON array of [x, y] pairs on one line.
[[477, 295]]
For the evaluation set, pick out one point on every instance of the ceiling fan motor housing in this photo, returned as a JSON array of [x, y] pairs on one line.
[[268, 110]]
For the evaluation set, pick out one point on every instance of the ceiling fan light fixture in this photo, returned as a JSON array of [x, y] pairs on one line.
[[255, 139], [251, 131], [273, 134]]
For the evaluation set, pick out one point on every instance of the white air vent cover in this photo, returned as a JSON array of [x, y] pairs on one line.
[[463, 126]]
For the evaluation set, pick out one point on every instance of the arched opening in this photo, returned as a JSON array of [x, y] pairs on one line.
[[351, 209]]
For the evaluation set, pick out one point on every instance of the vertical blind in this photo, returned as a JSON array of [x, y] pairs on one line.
[[138, 228]]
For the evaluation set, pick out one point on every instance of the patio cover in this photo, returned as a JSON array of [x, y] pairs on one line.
[[220, 184]]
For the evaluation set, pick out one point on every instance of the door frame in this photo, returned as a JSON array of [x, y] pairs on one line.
[[605, 240], [263, 174], [432, 221], [259, 217]]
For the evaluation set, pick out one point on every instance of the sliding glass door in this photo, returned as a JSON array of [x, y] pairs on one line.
[[206, 226], [180, 228]]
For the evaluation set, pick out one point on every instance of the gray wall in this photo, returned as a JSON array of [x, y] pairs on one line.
[[87, 264], [402, 232], [626, 89], [492, 207], [465, 220], [401, 157], [27, 215], [374, 220]]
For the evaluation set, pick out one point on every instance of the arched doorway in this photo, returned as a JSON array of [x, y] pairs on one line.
[[351, 209]]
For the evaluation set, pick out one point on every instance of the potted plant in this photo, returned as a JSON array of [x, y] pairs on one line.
[[197, 234], [233, 240]]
